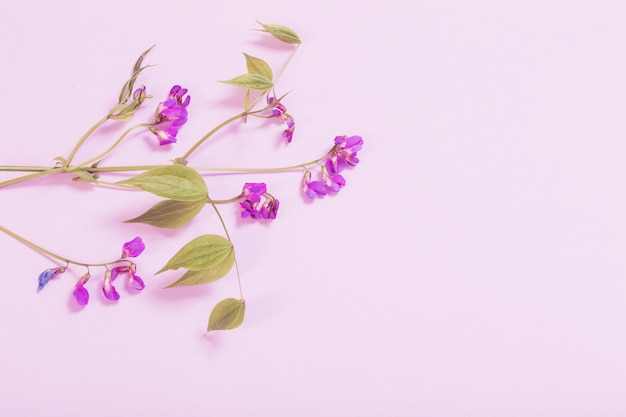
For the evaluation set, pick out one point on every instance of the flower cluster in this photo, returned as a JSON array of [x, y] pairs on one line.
[[343, 154], [171, 115], [130, 249], [258, 203], [280, 111]]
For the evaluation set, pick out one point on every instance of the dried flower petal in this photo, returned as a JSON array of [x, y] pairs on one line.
[[81, 295], [108, 289], [47, 275], [133, 248]]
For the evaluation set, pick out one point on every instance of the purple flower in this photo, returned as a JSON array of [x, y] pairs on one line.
[[344, 152], [313, 189], [248, 209], [47, 275], [107, 287], [171, 115], [288, 133], [333, 182], [253, 191], [81, 295], [270, 208], [252, 205], [133, 248], [280, 111]]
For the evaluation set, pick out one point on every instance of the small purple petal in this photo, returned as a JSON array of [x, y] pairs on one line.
[[316, 189], [133, 248], [111, 293], [108, 289], [81, 295], [136, 282], [118, 270]]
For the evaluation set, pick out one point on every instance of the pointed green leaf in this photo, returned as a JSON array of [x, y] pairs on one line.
[[204, 252], [127, 88], [256, 82], [227, 314], [177, 182], [170, 214], [205, 276], [281, 33], [258, 66]]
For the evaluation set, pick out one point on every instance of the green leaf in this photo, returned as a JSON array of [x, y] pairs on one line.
[[127, 88], [256, 82], [227, 314], [205, 276], [204, 252], [281, 33], [170, 214], [177, 182], [258, 66]]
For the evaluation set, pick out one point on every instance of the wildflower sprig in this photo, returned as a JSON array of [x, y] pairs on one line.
[[182, 187]]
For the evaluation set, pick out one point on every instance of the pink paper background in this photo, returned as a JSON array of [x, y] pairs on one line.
[[474, 264]]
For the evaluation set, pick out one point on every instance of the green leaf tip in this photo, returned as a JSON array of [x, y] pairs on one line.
[[258, 66], [176, 182], [203, 252], [256, 82], [227, 314], [282, 33], [127, 88]]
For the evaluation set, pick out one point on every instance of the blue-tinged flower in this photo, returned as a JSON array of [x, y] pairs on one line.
[[81, 295], [171, 115], [107, 287], [133, 248], [313, 189], [47, 275]]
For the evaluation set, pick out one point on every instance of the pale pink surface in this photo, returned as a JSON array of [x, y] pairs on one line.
[[473, 265]]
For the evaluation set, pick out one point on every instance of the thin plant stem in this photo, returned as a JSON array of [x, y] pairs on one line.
[[34, 175], [208, 135], [112, 147], [219, 215], [84, 138], [49, 254]]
